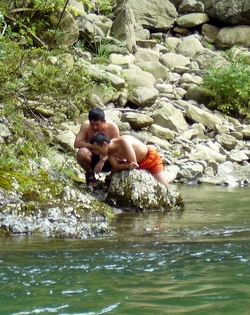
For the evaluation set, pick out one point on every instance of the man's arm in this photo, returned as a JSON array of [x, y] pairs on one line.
[[117, 167], [80, 140]]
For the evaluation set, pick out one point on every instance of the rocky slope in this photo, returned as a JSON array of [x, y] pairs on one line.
[[158, 79], [156, 67]]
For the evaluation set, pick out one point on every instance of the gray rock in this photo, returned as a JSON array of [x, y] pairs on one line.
[[205, 153], [137, 121], [91, 25], [228, 37], [228, 142], [131, 191], [201, 116], [246, 132], [140, 78], [124, 27], [192, 19], [158, 14], [161, 132], [169, 117], [231, 12], [191, 6], [157, 69], [142, 96], [189, 46]]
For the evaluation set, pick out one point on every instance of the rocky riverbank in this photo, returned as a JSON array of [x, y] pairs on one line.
[[157, 76]]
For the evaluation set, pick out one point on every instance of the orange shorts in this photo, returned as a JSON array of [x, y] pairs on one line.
[[152, 162]]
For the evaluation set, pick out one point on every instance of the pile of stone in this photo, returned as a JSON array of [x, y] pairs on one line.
[[160, 52], [170, 45]]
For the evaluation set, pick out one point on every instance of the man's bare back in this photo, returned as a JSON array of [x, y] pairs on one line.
[[135, 154], [129, 148]]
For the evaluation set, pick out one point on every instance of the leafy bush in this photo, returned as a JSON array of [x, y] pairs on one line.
[[23, 19], [36, 80], [29, 79], [105, 6], [33, 75], [99, 47], [229, 86]]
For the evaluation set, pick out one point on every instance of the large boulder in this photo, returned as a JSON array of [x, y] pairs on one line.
[[91, 25], [158, 70], [141, 97], [124, 28], [204, 117], [207, 58], [170, 117], [139, 78], [199, 94], [191, 6], [150, 15], [136, 120], [67, 26], [228, 37], [131, 191], [231, 12], [192, 19], [171, 60], [189, 46]]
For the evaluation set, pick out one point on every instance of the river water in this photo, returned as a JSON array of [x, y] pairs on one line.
[[192, 262]]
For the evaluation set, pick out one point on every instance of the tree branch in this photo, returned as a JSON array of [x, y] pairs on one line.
[[36, 39]]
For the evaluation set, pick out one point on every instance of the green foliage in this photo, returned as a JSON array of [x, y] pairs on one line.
[[229, 86], [107, 89], [100, 47], [29, 79], [209, 46], [26, 21], [24, 144], [22, 20], [87, 3], [41, 76], [32, 77], [105, 6]]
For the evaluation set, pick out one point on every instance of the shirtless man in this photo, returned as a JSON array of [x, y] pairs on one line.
[[88, 157], [137, 155]]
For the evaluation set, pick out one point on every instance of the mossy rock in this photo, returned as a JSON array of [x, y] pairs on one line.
[[199, 94], [140, 191]]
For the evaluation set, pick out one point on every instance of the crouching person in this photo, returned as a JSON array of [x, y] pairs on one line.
[[134, 154]]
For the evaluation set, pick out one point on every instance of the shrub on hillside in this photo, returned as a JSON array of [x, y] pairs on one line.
[[229, 86]]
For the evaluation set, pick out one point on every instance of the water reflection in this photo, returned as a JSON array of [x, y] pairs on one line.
[[210, 213]]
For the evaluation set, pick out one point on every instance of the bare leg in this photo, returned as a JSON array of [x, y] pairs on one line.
[[84, 159], [161, 177]]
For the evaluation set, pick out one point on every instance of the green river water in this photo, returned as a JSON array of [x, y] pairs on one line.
[[194, 262]]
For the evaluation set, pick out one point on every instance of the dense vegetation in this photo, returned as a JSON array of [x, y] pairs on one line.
[[34, 75], [38, 82], [229, 85]]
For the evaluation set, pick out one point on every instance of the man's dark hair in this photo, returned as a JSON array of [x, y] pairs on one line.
[[96, 114], [99, 138]]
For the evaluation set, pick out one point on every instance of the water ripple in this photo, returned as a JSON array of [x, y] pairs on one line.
[[105, 310], [42, 310], [69, 292]]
